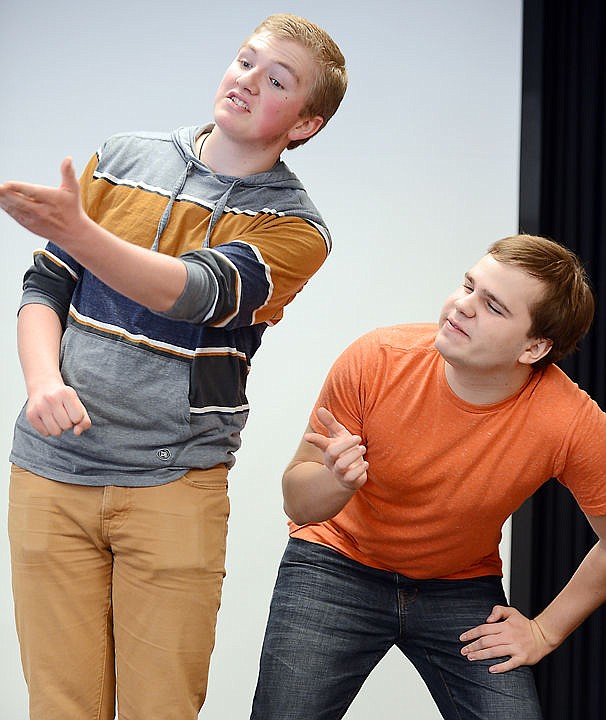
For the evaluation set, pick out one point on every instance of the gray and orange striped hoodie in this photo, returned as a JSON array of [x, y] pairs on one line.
[[166, 392]]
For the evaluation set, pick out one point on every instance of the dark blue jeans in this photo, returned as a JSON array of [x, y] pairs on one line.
[[332, 620]]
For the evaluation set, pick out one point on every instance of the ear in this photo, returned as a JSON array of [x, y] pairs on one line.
[[305, 128], [537, 349]]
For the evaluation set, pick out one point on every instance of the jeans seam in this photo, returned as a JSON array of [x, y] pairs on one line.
[[105, 656], [445, 684], [353, 694]]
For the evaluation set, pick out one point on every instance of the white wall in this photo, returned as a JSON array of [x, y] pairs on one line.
[[416, 175]]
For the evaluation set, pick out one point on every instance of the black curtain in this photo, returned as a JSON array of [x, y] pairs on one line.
[[563, 196]]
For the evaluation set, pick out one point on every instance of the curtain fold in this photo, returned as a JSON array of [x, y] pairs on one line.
[[563, 196]]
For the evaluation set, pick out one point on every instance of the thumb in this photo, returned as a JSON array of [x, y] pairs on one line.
[[498, 613], [320, 441], [83, 425], [69, 181]]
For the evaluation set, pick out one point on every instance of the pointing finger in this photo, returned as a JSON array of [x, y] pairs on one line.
[[329, 421]]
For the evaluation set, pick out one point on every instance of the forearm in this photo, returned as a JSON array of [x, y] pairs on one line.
[[583, 594], [150, 278], [52, 406], [39, 334], [312, 493]]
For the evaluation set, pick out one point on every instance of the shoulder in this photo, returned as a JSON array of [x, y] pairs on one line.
[[554, 380], [411, 337], [150, 160], [136, 142], [285, 193], [565, 399], [141, 136], [416, 338]]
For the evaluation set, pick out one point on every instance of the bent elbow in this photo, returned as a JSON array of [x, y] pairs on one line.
[[293, 515]]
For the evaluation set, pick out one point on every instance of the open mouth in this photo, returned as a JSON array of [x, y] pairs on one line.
[[238, 102], [456, 327]]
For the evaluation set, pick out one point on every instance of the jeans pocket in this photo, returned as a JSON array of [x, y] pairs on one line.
[[214, 478]]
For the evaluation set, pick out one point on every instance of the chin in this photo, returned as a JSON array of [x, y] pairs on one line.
[[438, 345], [440, 333]]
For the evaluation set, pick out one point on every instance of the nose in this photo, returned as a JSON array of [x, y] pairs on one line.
[[248, 80], [464, 304]]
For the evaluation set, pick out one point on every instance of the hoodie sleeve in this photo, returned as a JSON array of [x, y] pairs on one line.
[[52, 277], [51, 280], [255, 275]]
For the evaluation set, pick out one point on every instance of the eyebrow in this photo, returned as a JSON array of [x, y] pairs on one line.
[[489, 295], [286, 66]]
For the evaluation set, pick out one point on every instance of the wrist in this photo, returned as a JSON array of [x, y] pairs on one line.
[[550, 639], [41, 383], [78, 234]]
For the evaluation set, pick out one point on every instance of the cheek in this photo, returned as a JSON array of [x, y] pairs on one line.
[[286, 105], [447, 307], [229, 79], [278, 106], [221, 90], [500, 346], [276, 115]]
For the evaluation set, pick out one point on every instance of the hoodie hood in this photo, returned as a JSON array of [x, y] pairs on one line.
[[279, 186], [166, 164], [279, 176]]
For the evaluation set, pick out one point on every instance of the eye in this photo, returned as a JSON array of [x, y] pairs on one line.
[[244, 64], [493, 308], [276, 83], [467, 287]]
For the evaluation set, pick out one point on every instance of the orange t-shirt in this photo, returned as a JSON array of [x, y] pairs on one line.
[[444, 474]]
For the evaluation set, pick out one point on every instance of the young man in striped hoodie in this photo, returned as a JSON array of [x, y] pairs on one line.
[[139, 319]]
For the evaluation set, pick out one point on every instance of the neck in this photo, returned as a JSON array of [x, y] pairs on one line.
[[226, 157], [485, 388]]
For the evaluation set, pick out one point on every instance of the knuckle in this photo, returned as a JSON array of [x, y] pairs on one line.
[[31, 414]]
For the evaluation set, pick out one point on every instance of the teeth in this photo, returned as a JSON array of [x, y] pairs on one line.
[[239, 103]]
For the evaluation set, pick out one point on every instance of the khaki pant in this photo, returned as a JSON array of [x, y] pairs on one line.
[[116, 592]]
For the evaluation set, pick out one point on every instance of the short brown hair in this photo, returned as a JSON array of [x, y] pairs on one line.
[[565, 311], [330, 80]]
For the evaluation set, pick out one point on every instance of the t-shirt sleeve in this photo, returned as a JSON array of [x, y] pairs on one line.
[[345, 389], [584, 472]]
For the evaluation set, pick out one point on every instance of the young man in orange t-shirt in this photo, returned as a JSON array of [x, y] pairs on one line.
[[423, 441]]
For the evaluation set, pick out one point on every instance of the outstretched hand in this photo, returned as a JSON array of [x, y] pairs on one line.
[[506, 632], [53, 213], [342, 451]]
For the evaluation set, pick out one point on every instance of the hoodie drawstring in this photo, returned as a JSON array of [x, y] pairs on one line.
[[168, 210], [216, 214], [218, 211]]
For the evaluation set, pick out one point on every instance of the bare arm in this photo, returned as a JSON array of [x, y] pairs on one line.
[[324, 473], [508, 632], [151, 279], [52, 406]]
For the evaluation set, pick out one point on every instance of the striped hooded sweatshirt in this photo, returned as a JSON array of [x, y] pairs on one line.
[[166, 392]]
